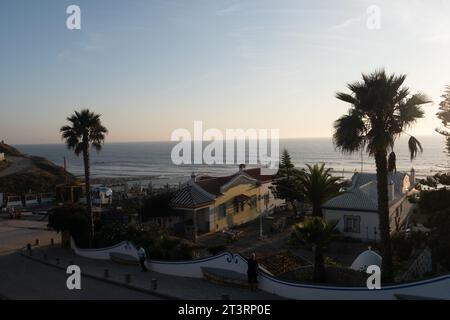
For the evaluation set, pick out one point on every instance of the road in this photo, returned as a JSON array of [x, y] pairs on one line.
[[17, 164], [22, 278]]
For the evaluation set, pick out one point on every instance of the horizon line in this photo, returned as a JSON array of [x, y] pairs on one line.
[[166, 141]]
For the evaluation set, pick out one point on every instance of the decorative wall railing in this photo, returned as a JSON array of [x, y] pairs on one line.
[[438, 288]]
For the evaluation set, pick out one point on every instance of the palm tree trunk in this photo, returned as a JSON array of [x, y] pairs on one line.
[[383, 213], [195, 225], [319, 265], [294, 207], [88, 194], [317, 211]]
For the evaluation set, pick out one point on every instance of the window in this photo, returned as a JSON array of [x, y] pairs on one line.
[[352, 224], [222, 210], [266, 199], [253, 202]]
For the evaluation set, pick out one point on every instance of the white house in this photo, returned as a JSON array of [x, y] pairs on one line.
[[357, 209], [101, 195]]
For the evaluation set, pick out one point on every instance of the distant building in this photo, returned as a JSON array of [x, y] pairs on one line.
[[2, 156], [101, 195], [210, 204], [357, 208]]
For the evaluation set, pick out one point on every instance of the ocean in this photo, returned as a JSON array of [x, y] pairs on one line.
[[152, 160]]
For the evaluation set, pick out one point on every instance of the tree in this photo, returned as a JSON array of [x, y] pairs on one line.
[[71, 218], [84, 132], [444, 116], [286, 181], [158, 205], [318, 234], [381, 109], [317, 186]]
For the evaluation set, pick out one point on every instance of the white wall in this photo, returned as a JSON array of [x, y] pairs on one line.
[[438, 288], [124, 247], [193, 269], [433, 288], [369, 221], [404, 206]]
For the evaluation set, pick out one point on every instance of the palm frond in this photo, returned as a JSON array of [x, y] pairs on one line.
[[415, 147]]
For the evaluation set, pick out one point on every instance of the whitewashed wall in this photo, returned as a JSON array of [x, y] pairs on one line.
[[369, 221], [124, 247], [438, 287], [193, 269]]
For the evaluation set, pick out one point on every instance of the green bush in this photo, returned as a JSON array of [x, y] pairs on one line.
[[434, 200], [156, 241], [215, 250], [74, 219]]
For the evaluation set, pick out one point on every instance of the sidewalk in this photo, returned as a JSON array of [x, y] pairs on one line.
[[169, 287]]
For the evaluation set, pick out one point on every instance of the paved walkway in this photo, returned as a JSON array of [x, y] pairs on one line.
[[171, 287], [23, 279]]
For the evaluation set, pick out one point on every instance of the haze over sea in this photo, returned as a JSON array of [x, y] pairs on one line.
[[144, 159]]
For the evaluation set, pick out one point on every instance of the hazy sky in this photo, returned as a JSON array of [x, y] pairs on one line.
[[152, 66]]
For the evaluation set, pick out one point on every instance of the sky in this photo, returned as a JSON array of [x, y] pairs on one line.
[[152, 66]]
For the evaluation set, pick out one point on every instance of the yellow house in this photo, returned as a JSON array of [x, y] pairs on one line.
[[210, 204]]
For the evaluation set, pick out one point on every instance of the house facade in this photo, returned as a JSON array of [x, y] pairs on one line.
[[211, 204], [357, 210]]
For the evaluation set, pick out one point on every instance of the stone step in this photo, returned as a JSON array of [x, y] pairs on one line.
[[225, 277]]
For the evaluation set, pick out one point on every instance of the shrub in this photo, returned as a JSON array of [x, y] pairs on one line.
[[72, 218], [215, 250]]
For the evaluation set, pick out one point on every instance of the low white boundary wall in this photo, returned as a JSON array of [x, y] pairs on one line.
[[124, 247], [438, 287], [193, 269]]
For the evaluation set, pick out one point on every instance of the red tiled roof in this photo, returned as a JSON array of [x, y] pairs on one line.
[[191, 197], [213, 184]]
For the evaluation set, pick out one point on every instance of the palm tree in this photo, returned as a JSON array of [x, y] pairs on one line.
[[317, 186], [381, 109], [85, 132], [317, 233]]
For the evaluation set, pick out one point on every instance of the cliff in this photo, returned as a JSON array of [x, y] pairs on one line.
[[24, 174]]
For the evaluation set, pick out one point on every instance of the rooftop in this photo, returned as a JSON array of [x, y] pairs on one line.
[[362, 194]]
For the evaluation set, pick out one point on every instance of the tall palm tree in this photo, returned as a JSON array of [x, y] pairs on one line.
[[381, 110], [317, 233], [317, 186], [85, 131]]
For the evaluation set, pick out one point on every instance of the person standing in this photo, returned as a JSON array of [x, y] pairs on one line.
[[252, 272], [142, 257]]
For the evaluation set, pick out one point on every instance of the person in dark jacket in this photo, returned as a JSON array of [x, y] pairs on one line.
[[252, 272]]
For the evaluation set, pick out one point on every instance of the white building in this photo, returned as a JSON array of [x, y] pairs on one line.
[[2, 156], [357, 208], [101, 195]]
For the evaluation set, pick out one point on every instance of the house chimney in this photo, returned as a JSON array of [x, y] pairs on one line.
[[412, 178], [391, 190]]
